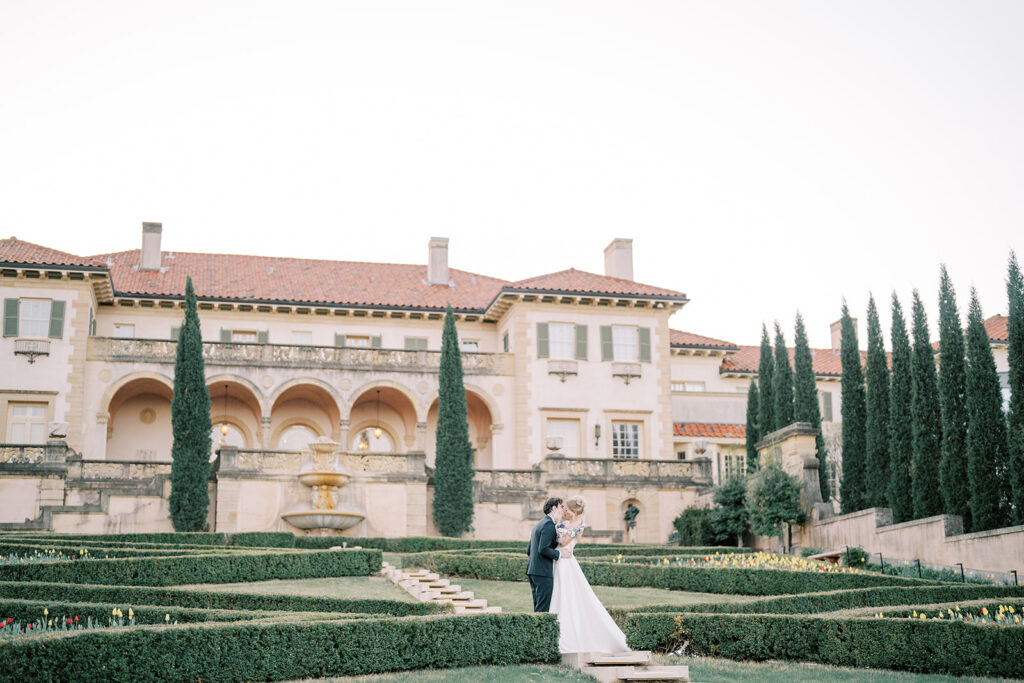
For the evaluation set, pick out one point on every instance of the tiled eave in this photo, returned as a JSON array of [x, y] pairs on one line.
[[97, 276], [697, 350], [509, 296], [748, 374]]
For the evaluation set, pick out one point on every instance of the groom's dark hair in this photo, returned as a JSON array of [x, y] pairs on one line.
[[551, 504]]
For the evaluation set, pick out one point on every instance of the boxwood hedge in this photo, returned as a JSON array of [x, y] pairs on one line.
[[221, 568], [280, 651]]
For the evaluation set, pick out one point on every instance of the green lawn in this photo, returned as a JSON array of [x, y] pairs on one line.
[[514, 596], [359, 587], [473, 674], [712, 670]]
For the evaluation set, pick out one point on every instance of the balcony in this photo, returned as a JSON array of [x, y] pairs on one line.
[[30, 348], [604, 472], [563, 368], [626, 371], [293, 356], [247, 462]]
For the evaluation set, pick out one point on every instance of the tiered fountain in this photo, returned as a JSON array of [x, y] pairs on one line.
[[327, 476]]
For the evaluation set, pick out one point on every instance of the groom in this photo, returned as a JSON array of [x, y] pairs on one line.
[[543, 551]]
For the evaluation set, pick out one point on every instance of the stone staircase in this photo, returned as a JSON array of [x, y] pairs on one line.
[[429, 587], [624, 666]]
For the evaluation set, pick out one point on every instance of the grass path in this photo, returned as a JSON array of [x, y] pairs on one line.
[[353, 587]]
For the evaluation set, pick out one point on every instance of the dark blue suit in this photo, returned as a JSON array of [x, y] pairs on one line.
[[543, 551]]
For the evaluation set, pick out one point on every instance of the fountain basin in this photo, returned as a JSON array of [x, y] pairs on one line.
[[324, 519], [323, 478]]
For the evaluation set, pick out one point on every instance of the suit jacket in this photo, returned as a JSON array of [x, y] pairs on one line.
[[543, 548]]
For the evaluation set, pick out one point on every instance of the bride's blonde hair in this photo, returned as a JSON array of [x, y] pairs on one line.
[[576, 504]]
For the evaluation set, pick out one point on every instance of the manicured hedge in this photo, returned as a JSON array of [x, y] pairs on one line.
[[100, 551], [195, 538], [277, 651], [31, 610], [411, 544], [140, 595], [695, 579], [659, 551], [837, 600], [223, 568], [264, 539]]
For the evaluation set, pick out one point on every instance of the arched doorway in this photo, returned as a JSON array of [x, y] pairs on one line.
[[301, 412], [234, 412], [479, 417], [382, 420]]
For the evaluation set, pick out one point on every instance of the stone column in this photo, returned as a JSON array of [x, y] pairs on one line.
[[265, 432], [421, 436], [344, 426]]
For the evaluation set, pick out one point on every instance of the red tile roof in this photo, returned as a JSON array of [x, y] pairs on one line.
[[579, 281], [996, 326], [714, 430], [826, 362], [20, 252], [680, 339]]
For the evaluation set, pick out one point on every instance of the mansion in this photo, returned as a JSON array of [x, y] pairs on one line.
[[575, 384]]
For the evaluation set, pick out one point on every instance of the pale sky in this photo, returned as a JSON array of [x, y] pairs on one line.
[[764, 156]]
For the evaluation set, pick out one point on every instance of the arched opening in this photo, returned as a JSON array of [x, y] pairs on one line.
[[479, 417], [139, 422], [309, 406], [382, 420], [234, 405]]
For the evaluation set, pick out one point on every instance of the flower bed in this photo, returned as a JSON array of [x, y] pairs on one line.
[[758, 560]]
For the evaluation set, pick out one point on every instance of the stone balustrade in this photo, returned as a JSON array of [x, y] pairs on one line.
[[116, 469], [295, 356], [251, 460], [509, 479], [605, 472], [22, 453]]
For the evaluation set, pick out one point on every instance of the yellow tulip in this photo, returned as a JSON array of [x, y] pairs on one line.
[[50, 623], [131, 614], [113, 612], [167, 617], [923, 616], [915, 614], [984, 610], [46, 612]]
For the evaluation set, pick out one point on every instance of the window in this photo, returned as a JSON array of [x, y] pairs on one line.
[[624, 343], [358, 340], [626, 440], [565, 434], [296, 438], [241, 336], [415, 343], [561, 337], [26, 423], [688, 386], [504, 342], [826, 405], [300, 338], [681, 454], [834, 474], [470, 345], [34, 318], [734, 462], [124, 331], [1004, 386]]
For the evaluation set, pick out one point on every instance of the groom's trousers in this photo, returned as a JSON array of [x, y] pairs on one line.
[[541, 587]]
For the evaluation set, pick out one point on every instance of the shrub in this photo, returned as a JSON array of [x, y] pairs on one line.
[[143, 595], [30, 610], [281, 651], [223, 568], [411, 544], [807, 552], [694, 527], [264, 539], [854, 556]]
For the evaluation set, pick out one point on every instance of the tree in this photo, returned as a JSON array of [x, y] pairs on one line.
[[1015, 418], [988, 458], [852, 487], [774, 501], [731, 518], [876, 436], [765, 380], [190, 425], [953, 400], [453, 465], [783, 382], [805, 408], [901, 424], [927, 420], [753, 430]]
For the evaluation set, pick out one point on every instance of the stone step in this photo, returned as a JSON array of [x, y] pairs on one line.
[[659, 673], [472, 604], [460, 597], [635, 658], [450, 589]]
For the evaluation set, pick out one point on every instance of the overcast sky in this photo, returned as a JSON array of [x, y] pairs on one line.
[[764, 156]]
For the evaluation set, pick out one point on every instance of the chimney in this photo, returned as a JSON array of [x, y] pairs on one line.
[[437, 263], [618, 259], [837, 333], [151, 246]]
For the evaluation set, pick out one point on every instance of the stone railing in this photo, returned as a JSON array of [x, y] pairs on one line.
[[604, 472], [292, 356], [509, 479], [22, 453], [114, 469], [292, 462]]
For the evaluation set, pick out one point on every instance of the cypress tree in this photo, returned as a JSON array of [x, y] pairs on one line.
[[765, 382], [453, 465], [1015, 419], [927, 419], [876, 438], [852, 487], [901, 424], [805, 408], [753, 431], [191, 426], [953, 396], [783, 382], [987, 452]]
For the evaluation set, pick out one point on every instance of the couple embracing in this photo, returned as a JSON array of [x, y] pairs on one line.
[[559, 586]]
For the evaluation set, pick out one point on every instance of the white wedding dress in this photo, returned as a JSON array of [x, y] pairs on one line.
[[584, 623]]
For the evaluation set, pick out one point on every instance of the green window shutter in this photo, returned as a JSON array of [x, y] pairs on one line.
[[57, 319], [225, 335], [92, 323], [581, 342], [375, 341], [262, 336], [645, 344], [607, 350], [11, 317], [175, 333], [543, 350], [504, 342], [339, 339], [410, 344]]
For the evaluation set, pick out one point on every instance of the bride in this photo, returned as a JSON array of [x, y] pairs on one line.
[[584, 623]]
